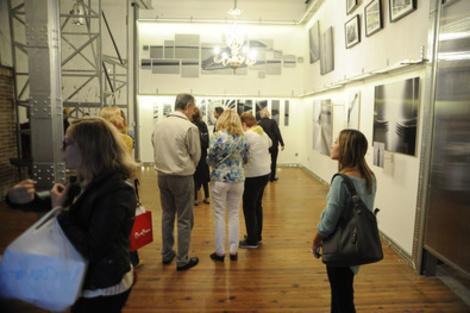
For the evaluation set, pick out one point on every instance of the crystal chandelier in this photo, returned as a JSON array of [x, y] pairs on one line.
[[239, 52]]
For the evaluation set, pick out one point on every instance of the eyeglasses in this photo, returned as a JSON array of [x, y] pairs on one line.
[[66, 143]]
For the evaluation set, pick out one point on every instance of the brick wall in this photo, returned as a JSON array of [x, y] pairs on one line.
[[8, 143]]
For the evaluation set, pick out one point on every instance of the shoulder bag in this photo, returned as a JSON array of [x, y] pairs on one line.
[[356, 240]]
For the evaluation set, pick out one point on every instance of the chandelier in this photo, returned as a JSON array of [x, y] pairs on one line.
[[239, 52]]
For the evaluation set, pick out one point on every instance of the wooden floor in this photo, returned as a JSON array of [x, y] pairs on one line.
[[280, 276]]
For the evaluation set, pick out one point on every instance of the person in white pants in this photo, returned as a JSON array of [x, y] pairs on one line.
[[229, 151]]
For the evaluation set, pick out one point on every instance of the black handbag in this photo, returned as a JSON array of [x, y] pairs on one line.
[[356, 240]]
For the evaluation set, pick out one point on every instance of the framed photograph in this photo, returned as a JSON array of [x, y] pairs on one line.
[[352, 32], [350, 5], [373, 17], [400, 8]]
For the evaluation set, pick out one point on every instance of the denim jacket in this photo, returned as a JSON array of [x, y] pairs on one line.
[[227, 156]]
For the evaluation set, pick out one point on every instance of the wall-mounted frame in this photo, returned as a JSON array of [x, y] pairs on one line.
[[350, 5], [401, 8], [373, 17], [352, 32]]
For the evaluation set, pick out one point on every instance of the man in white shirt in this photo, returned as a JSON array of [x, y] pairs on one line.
[[177, 151]]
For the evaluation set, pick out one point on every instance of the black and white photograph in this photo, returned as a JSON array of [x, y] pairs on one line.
[[396, 115], [326, 123], [350, 5], [275, 107], [373, 17], [401, 8], [259, 105], [379, 154], [314, 42], [353, 108], [352, 32], [286, 113], [316, 126], [327, 61]]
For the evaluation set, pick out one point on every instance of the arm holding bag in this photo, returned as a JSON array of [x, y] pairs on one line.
[[42, 267], [355, 241]]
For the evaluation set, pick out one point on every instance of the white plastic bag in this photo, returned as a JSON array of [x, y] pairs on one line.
[[42, 267]]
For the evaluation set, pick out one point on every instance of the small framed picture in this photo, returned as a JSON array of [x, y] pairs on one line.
[[352, 32], [401, 8], [373, 17], [350, 5]]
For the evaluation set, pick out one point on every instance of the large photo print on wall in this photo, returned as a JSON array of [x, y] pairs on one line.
[[396, 115]]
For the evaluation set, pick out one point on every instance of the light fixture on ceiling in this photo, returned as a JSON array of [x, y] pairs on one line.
[[79, 11], [239, 53]]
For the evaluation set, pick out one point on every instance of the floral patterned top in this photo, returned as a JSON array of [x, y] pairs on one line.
[[227, 156]]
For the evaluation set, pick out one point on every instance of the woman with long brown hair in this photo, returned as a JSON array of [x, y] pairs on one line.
[[101, 209], [349, 149]]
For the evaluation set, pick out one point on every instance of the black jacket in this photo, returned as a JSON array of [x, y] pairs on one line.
[[271, 128], [99, 224]]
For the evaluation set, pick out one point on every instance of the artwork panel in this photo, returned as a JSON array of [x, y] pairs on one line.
[[289, 61], [190, 68], [396, 108], [187, 46], [316, 125], [156, 52], [400, 8], [379, 154], [286, 113], [259, 105], [165, 66], [327, 62], [352, 110], [275, 108], [352, 32], [274, 67], [314, 42], [350, 5], [146, 64], [326, 123], [169, 49], [373, 17]]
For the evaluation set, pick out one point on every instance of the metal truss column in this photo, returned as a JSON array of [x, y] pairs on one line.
[[43, 45]]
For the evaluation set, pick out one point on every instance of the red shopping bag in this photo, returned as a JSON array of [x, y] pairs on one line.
[[142, 233]]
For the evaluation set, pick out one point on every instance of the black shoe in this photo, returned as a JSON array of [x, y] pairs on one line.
[[233, 257], [274, 179], [216, 257], [246, 245], [260, 241], [166, 262], [192, 262]]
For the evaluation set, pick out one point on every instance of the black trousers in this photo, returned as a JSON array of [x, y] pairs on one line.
[[273, 154], [252, 207], [108, 304], [197, 186], [342, 292]]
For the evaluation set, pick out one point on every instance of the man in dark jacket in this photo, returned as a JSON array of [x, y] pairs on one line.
[[271, 128]]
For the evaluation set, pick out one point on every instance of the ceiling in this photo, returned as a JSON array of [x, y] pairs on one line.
[[268, 11]]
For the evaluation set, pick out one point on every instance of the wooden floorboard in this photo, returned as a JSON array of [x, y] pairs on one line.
[[280, 276]]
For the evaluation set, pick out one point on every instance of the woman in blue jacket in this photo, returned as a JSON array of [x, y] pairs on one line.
[[349, 149]]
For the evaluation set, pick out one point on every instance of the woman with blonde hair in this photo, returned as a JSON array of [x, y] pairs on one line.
[[113, 114], [229, 151], [349, 149], [101, 208]]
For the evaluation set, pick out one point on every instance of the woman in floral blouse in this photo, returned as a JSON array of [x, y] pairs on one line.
[[229, 151]]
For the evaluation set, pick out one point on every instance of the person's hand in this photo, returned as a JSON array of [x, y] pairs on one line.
[[59, 194], [282, 148], [316, 250], [22, 192]]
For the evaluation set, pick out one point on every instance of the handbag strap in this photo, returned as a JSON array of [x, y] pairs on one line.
[[136, 184], [352, 189]]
